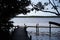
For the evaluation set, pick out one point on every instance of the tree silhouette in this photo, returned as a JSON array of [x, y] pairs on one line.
[[8, 10]]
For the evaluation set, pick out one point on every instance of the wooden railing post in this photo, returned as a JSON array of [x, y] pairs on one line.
[[25, 27], [49, 31]]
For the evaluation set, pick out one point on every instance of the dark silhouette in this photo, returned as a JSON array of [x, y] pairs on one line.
[[8, 10]]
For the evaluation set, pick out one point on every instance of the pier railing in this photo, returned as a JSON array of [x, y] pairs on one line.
[[37, 28]]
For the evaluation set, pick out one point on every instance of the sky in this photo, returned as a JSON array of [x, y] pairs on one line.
[[39, 13]]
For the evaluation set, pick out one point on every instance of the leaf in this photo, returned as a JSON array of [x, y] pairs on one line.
[[45, 3]]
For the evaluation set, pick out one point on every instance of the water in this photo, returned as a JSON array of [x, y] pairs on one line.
[[34, 21], [45, 37], [44, 34], [30, 29]]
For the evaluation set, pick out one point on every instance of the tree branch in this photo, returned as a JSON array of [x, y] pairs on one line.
[[50, 11], [54, 6]]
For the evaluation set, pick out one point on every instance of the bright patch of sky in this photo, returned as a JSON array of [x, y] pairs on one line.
[[36, 1], [38, 13]]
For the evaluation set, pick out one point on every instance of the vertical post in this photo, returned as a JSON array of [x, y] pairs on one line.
[[25, 27], [49, 31], [37, 29]]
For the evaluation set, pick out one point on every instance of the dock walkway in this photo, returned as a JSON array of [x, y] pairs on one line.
[[20, 34]]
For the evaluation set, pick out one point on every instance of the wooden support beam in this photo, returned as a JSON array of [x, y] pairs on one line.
[[37, 30]]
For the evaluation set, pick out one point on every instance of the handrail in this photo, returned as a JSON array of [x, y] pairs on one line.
[[54, 23], [41, 26]]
